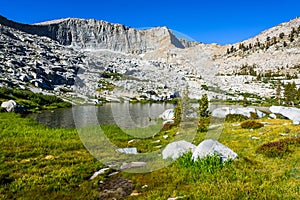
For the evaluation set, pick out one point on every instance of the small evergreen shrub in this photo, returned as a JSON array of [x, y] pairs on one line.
[[254, 115], [235, 118], [251, 124], [278, 148], [203, 124], [167, 126]]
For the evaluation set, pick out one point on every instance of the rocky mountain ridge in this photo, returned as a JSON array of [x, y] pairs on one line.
[[95, 34], [100, 60]]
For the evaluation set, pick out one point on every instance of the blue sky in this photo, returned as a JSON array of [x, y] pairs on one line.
[[208, 21]]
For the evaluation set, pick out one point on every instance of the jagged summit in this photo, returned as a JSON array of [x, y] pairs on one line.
[[55, 21], [99, 34]]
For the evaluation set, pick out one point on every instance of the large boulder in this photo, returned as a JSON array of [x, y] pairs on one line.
[[167, 115], [10, 105], [291, 113], [211, 147], [223, 111], [175, 149]]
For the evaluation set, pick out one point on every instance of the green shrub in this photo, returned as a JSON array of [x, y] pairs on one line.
[[168, 126], [203, 124], [209, 164], [30, 100], [254, 115], [277, 148], [177, 113], [251, 124], [235, 118]]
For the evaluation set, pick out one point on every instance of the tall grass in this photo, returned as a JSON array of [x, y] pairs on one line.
[[37, 162], [42, 163]]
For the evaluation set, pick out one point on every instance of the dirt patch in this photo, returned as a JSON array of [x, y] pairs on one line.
[[116, 188]]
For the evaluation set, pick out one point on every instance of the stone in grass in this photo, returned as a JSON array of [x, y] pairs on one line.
[[272, 116], [175, 149], [10, 105], [97, 173], [211, 147], [127, 150], [132, 165]]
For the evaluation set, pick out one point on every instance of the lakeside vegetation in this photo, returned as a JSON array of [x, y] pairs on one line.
[[40, 162], [31, 101]]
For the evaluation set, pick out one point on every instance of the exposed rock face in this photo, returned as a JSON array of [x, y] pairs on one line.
[[222, 112], [36, 60], [175, 149], [291, 113], [95, 34], [153, 63], [211, 147]]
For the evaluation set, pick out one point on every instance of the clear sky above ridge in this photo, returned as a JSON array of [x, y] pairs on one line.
[[208, 21]]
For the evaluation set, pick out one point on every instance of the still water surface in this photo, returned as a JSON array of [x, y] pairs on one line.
[[123, 114]]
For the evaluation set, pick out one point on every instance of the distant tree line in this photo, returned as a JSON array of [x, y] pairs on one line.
[[267, 43], [291, 94]]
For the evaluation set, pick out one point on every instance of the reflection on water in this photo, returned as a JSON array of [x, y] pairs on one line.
[[123, 114]]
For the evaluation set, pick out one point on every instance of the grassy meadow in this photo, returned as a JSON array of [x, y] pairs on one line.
[[44, 163]]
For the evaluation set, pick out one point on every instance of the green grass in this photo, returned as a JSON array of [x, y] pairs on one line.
[[32, 101], [42, 163], [251, 176]]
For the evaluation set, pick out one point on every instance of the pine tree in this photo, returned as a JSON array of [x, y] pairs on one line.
[[185, 103], [278, 91], [203, 106], [290, 93], [203, 114], [281, 35]]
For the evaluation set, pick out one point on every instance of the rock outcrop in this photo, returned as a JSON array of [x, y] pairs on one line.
[[211, 147], [167, 115], [223, 111], [84, 56], [175, 149], [96, 34], [28, 59], [291, 113], [10, 106]]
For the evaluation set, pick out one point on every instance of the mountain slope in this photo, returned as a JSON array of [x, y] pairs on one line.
[[112, 61], [95, 34]]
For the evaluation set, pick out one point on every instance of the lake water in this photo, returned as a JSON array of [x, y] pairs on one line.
[[122, 114]]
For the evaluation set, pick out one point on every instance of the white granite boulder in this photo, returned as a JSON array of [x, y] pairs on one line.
[[127, 150], [132, 165], [211, 147], [223, 111], [167, 115], [175, 149], [291, 113], [10, 105]]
